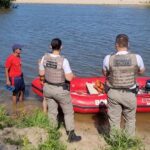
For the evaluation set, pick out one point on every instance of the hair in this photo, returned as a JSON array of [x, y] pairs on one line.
[[122, 40], [56, 44]]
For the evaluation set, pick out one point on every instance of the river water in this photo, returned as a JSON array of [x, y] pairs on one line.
[[87, 31]]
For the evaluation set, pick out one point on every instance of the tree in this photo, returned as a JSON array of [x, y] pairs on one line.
[[5, 3]]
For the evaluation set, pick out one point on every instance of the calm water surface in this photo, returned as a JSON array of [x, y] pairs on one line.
[[87, 32]]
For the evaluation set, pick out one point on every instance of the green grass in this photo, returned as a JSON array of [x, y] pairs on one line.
[[21, 143], [39, 119], [5, 120], [3, 115], [35, 118], [10, 141], [119, 140]]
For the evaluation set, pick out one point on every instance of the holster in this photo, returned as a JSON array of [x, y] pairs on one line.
[[107, 88], [135, 90]]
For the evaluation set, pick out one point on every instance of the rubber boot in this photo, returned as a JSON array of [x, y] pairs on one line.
[[72, 137]]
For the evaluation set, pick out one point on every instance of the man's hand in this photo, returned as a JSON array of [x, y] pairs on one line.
[[42, 79], [8, 82], [42, 83]]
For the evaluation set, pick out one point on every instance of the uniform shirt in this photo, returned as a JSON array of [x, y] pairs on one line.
[[14, 66], [140, 62], [66, 65]]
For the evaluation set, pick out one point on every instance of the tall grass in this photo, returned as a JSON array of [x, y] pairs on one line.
[[119, 140]]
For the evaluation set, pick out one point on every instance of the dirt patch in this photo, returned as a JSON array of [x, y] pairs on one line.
[[33, 135]]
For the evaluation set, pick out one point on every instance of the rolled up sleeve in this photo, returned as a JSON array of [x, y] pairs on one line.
[[106, 63]]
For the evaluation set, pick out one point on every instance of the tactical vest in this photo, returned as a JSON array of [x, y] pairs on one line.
[[123, 70], [54, 72]]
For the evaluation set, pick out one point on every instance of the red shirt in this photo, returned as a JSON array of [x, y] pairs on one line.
[[14, 66]]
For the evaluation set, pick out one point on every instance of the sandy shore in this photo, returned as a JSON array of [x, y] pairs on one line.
[[99, 2]]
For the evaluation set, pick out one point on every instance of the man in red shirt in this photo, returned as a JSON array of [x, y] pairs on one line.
[[13, 72]]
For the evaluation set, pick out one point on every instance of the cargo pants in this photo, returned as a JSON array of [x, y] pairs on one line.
[[122, 102], [57, 95]]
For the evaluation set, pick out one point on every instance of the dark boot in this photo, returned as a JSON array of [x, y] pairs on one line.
[[72, 137]]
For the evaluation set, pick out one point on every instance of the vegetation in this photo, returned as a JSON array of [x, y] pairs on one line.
[[119, 140], [5, 120], [39, 119], [5, 3], [14, 142], [35, 119]]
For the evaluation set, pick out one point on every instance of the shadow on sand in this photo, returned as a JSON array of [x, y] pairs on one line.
[[101, 122]]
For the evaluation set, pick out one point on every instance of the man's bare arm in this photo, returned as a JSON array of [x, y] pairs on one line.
[[69, 76], [41, 72], [104, 72], [141, 71], [7, 76]]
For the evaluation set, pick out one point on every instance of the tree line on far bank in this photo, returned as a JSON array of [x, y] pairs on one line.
[[5, 3]]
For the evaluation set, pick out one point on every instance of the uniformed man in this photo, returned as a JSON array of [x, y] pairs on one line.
[[120, 70], [56, 69]]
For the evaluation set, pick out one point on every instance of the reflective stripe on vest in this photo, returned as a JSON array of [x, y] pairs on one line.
[[123, 69], [54, 72]]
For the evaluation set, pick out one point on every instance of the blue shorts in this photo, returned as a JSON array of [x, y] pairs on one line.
[[18, 83]]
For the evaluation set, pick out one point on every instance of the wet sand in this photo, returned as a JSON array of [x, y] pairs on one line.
[[111, 2]]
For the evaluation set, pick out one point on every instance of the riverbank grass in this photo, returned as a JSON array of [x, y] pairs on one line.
[[119, 140], [40, 119], [5, 120], [33, 119]]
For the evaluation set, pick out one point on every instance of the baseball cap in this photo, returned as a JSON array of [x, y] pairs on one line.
[[17, 46]]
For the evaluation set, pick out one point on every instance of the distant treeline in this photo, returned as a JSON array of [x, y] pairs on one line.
[[5, 3]]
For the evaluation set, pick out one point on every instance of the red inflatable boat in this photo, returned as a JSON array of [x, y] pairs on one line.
[[84, 102]]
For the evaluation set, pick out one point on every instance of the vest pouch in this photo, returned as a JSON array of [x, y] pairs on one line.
[[66, 86]]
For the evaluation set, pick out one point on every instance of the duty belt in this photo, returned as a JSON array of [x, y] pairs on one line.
[[55, 84], [135, 90]]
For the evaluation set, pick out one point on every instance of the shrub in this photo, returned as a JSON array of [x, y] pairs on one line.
[[119, 140]]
